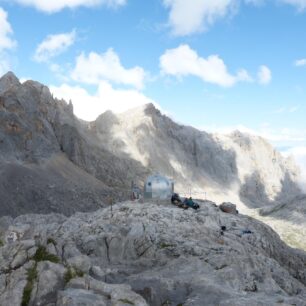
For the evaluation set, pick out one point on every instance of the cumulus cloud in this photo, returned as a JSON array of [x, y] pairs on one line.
[[300, 4], [264, 75], [255, 2], [6, 41], [94, 68], [300, 62], [279, 137], [53, 6], [194, 16], [54, 45], [88, 107], [184, 61], [292, 109], [188, 17]]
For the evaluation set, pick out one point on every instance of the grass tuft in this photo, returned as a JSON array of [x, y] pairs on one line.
[[42, 255], [72, 273], [51, 240], [27, 291], [126, 301], [164, 245]]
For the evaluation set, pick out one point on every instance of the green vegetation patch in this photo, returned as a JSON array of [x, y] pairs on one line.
[[72, 273], [1, 243], [51, 240], [126, 301], [164, 245], [42, 255], [27, 291]]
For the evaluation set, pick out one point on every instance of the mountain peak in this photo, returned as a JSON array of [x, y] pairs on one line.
[[150, 108], [7, 81]]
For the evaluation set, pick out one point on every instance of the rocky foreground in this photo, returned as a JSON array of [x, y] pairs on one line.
[[147, 254]]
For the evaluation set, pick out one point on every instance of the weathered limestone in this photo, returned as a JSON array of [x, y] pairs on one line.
[[150, 254], [228, 208]]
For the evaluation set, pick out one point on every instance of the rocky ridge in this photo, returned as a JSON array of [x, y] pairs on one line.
[[148, 254], [50, 161], [239, 167], [116, 149]]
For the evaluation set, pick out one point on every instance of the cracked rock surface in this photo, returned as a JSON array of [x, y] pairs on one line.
[[149, 254]]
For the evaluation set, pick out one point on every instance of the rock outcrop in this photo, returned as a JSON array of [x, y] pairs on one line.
[[50, 161], [241, 168], [148, 254], [229, 208]]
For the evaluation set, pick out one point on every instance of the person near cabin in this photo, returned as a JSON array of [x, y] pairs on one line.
[[176, 200], [190, 203]]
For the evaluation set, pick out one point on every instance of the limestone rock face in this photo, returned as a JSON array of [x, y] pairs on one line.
[[50, 161], [241, 168], [59, 159], [229, 208], [7, 81], [44, 158], [50, 280], [151, 254]]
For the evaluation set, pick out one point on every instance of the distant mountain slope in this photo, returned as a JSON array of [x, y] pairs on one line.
[[40, 139], [241, 167]]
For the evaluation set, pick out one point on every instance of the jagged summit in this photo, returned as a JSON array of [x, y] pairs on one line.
[[148, 109], [11, 76], [7, 81]]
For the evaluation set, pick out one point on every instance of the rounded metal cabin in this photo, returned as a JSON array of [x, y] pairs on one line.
[[158, 187]]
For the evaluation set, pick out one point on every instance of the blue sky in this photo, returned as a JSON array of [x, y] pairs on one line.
[[216, 65]]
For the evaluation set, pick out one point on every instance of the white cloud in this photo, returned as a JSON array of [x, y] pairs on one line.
[[188, 17], [54, 45], [194, 16], [183, 61], [291, 109], [300, 4], [264, 75], [6, 42], [294, 109], [279, 137], [53, 6], [24, 79], [89, 107], [280, 110], [94, 68], [300, 62], [255, 2]]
